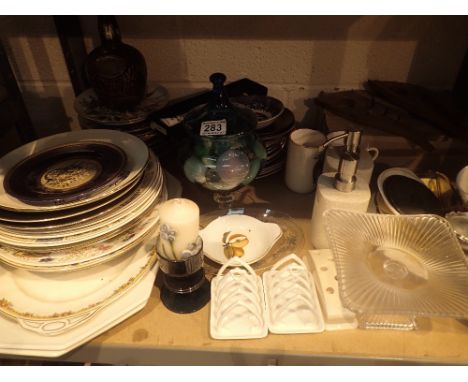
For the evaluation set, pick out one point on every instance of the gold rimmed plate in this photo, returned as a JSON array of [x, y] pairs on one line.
[[148, 189], [40, 219], [29, 296], [52, 242], [65, 173], [135, 150]]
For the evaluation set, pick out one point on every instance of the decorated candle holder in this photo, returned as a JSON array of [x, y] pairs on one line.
[[185, 288], [180, 251]]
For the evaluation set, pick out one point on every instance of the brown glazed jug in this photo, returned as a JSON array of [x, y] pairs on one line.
[[116, 71]]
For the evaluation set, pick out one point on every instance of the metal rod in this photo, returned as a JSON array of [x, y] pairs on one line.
[[331, 140]]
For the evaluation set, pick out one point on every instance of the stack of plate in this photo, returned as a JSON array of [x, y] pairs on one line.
[[274, 124], [275, 139], [93, 115], [78, 220]]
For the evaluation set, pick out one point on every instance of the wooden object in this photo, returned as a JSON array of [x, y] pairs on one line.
[[437, 109], [360, 107]]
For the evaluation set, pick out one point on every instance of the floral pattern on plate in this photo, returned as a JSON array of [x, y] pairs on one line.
[[78, 258]]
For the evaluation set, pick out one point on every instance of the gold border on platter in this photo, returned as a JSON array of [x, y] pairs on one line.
[[7, 308]]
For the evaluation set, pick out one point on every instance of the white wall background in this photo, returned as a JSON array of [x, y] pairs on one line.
[[295, 56]]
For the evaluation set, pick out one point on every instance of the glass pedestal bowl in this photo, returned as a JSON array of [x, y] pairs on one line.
[[224, 154]]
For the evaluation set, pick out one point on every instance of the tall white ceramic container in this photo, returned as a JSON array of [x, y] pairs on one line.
[[328, 197]]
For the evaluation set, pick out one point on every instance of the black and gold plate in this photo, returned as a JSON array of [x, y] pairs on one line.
[[66, 173]]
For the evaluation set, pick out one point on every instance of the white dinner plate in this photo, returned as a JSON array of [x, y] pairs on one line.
[[52, 304], [135, 149], [16, 340]]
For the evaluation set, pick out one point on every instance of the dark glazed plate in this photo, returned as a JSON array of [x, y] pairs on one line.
[[66, 173], [266, 109]]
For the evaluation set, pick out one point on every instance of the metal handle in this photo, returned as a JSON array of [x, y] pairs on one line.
[[331, 140]]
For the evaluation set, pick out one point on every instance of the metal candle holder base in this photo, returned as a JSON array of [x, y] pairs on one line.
[[185, 288]]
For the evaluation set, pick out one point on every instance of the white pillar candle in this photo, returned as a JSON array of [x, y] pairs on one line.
[[179, 224]]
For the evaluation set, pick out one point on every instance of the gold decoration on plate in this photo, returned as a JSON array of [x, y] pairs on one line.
[[7, 307], [70, 174], [234, 244]]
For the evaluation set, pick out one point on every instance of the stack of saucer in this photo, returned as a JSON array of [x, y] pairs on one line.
[[92, 114], [78, 219], [275, 139]]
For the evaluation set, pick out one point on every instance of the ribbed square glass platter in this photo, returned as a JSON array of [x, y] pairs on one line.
[[401, 265]]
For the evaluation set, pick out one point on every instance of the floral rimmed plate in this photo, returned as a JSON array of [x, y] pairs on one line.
[[57, 302], [290, 238], [136, 151], [86, 256], [63, 242], [104, 228]]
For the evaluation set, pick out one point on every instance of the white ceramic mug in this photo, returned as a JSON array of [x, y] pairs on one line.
[[303, 154], [367, 157]]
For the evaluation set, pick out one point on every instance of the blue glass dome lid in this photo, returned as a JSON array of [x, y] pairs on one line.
[[219, 117]]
